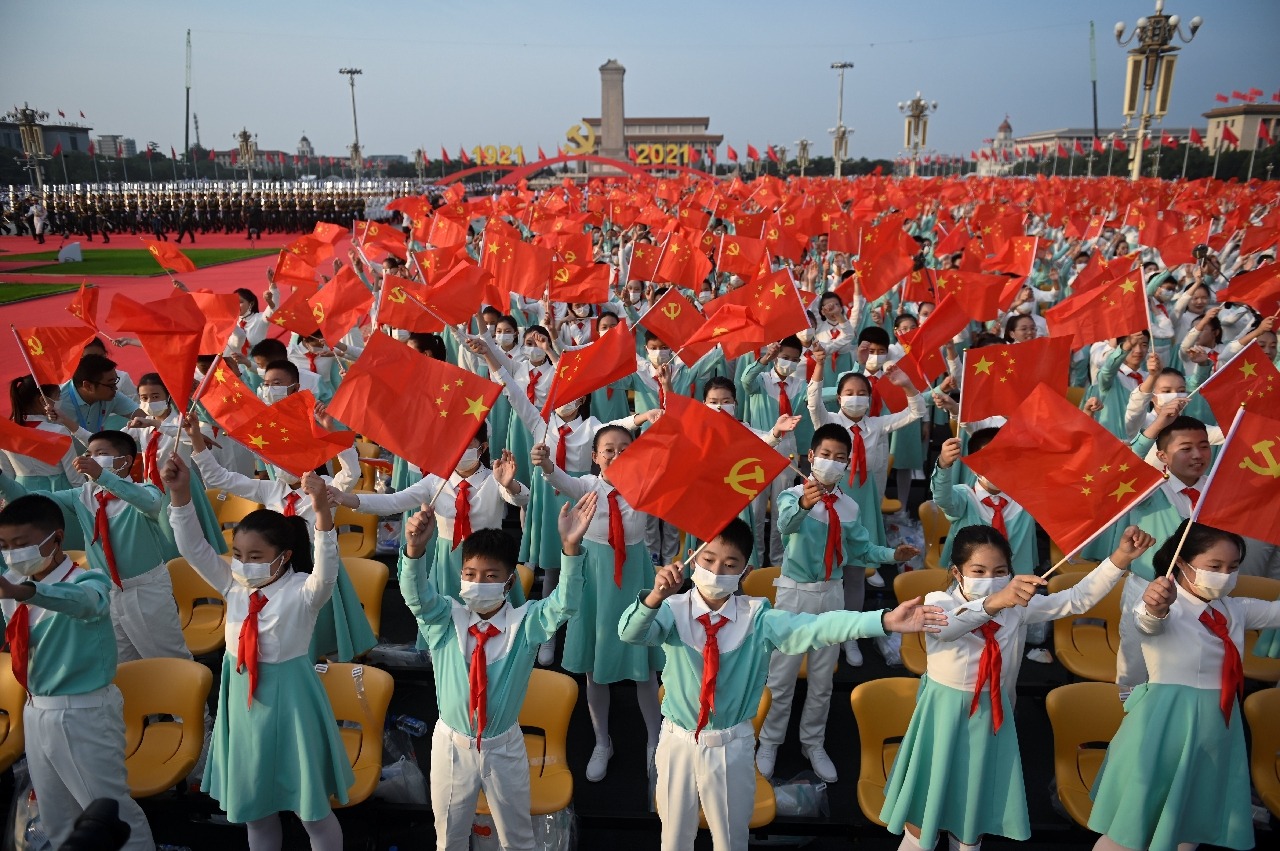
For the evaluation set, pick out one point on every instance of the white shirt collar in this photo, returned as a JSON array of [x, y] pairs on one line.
[[699, 607]]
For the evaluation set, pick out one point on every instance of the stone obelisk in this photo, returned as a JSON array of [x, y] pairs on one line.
[[613, 143]]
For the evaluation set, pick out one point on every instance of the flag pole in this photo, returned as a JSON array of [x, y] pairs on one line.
[[1195, 509], [199, 391], [1186, 155], [30, 366]]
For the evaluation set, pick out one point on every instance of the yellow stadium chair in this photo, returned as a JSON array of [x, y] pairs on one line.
[[369, 578], [1075, 395], [936, 527], [1261, 709], [357, 533], [360, 721], [77, 557], [12, 698], [202, 613], [230, 510], [526, 578], [908, 586], [159, 754], [1085, 717], [367, 448], [882, 709], [890, 506], [759, 583], [1087, 644], [544, 718], [1076, 565], [1260, 668]]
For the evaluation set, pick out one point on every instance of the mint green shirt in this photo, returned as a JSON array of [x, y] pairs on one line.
[[963, 507], [510, 654], [804, 538], [746, 645]]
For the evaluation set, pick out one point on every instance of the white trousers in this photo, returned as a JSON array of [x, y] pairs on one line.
[[145, 618], [662, 538], [459, 772], [75, 753], [768, 545], [1131, 668], [814, 598], [718, 772]]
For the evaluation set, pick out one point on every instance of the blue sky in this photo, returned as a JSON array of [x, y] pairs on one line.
[[499, 72]]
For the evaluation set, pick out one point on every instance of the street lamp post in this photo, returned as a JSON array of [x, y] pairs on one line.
[[1150, 70], [357, 159], [32, 141], [917, 112], [840, 134], [802, 155], [248, 152]]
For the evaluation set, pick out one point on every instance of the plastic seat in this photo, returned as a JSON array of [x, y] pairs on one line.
[[882, 709], [230, 510], [1075, 395], [367, 448], [936, 527], [544, 719], [1085, 717], [360, 721], [202, 612], [1260, 668], [1087, 644], [76, 556], [369, 578], [357, 533], [1076, 565], [891, 506], [12, 698], [759, 583], [159, 754], [526, 578], [908, 586], [1261, 709]]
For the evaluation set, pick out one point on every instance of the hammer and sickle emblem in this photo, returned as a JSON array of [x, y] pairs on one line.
[[1272, 466], [155, 251], [789, 221], [718, 331], [671, 311], [35, 346], [733, 250], [317, 312], [741, 473], [397, 295], [373, 230], [562, 275], [570, 257], [773, 233], [581, 139]]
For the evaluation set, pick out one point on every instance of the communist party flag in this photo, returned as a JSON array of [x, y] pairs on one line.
[[170, 331], [1113, 310], [585, 370], [1249, 378], [981, 296], [919, 286], [734, 328], [1260, 289], [380, 235], [84, 306], [733, 465], [1071, 474], [54, 351], [399, 306], [574, 284], [430, 427], [287, 435], [294, 314], [169, 256], [739, 255], [998, 378], [683, 263], [47, 446], [1245, 501], [294, 271], [340, 304], [673, 319], [329, 232]]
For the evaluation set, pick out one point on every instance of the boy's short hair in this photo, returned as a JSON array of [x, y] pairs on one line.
[[34, 510], [738, 535], [285, 366], [493, 544], [874, 335], [650, 335], [791, 342], [831, 431], [1182, 423], [719, 382], [982, 437], [122, 442], [91, 368], [489, 309], [270, 348]]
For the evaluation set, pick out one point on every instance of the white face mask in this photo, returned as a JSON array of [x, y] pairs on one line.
[[482, 596], [273, 394], [975, 588], [27, 561], [1210, 584], [506, 339], [1024, 308], [534, 354], [827, 470], [470, 457], [400, 334], [855, 406], [1164, 295], [658, 357], [704, 296], [567, 412], [805, 337], [874, 362], [634, 296], [262, 371], [723, 407], [1166, 398], [155, 409], [786, 367], [109, 462], [253, 574], [582, 312], [713, 586]]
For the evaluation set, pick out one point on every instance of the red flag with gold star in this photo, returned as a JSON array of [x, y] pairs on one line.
[[340, 304], [293, 270], [170, 330], [54, 351], [923, 345], [644, 261], [84, 306], [733, 327], [1071, 474], [310, 249], [380, 235], [981, 296], [47, 446], [1245, 501], [294, 313], [221, 312], [1249, 379], [329, 232], [1113, 310], [228, 400], [733, 467], [1260, 289], [287, 434], [517, 266], [430, 427], [683, 263], [169, 256], [773, 301], [998, 378], [583, 371]]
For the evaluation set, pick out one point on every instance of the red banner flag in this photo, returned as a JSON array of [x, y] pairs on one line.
[[1249, 378], [1113, 310], [329, 232], [583, 371], [1229, 137], [287, 435], [1245, 501], [922, 346], [340, 304], [84, 306], [1195, 137], [734, 328], [169, 257], [1260, 289], [170, 331], [981, 296], [683, 263], [998, 378], [47, 446], [732, 154], [54, 351], [294, 271]]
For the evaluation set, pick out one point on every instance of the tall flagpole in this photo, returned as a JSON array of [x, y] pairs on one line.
[[1186, 154]]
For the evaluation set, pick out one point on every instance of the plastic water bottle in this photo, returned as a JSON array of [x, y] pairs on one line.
[[413, 726]]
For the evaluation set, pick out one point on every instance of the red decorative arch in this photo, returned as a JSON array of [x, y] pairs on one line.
[[522, 172], [467, 172], [696, 172]]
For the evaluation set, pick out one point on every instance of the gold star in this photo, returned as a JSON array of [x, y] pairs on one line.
[[1128, 285], [444, 388], [1249, 369], [284, 440], [458, 383], [257, 441], [1003, 379], [221, 375], [443, 412], [983, 366], [493, 248], [1086, 491], [1124, 468], [476, 408], [1123, 488], [439, 400], [1088, 477], [258, 425], [271, 425], [779, 290], [1105, 468]]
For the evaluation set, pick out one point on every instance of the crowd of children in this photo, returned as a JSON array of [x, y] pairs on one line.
[[831, 397]]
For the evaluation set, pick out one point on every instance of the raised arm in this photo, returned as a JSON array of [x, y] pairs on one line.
[[188, 535], [324, 573]]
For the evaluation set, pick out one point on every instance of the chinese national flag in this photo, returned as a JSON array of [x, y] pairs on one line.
[[329, 232], [55, 350], [1245, 501], [922, 345], [229, 400], [772, 301], [1099, 147], [1113, 310], [733, 467], [294, 271], [456, 297], [734, 328], [585, 370], [1069, 473], [1258, 239], [683, 263], [1228, 137], [169, 256], [739, 255], [221, 312], [1196, 138], [430, 427], [1260, 289], [732, 154], [444, 156], [84, 306], [875, 275], [773, 155], [47, 446], [644, 262], [998, 378], [1167, 140], [752, 153], [287, 435], [1017, 257], [1249, 378], [1176, 248], [170, 331], [313, 251], [517, 266], [574, 284], [462, 156], [1079, 149], [294, 314], [340, 304], [674, 319], [1264, 135], [981, 296]]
